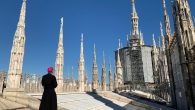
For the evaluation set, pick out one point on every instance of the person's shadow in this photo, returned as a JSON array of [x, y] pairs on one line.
[[106, 101]]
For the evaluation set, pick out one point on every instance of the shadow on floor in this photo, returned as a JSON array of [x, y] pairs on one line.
[[106, 101], [160, 105]]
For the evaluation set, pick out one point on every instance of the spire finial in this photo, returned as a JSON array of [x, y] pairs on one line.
[[134, 20], [60, 44], [164, 7], [81, 37], [62, 20], [21, 22], [133, 6]]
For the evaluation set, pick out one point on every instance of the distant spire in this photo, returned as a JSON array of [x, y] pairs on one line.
[[103, 74], [154, 42], [140, 34], [94, 71], [159, 41], [127, 40], [104, 61], [162, 36], [118, 58], [86, 74], [167, 24], [72, 73], [161, 30], [81, 68], [119, 43], [110, 67], [94, 58], [141, 38], [134, 20]]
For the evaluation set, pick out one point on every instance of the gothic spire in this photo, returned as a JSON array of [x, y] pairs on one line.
[[141, 38], [81, 68], [59, 63], [167, 24], [162, 36], [118, 56], [134, 20], [104, 62], [103, 74], [110, 67], [94, 72], [127, 40], [17, 51], [159, 42], [94, 57]]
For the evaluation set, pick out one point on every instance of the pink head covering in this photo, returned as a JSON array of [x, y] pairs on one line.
[[50, 70]]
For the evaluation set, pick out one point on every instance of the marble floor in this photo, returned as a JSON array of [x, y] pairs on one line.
[[88, 101]]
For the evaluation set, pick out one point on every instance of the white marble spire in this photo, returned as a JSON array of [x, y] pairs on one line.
[[141, 39], [59, 64], [81, 68], [119, 71], [17, 51], [95, 72], [167, 24], [104, 74], [110, 79], [134, 20], [162, 36]]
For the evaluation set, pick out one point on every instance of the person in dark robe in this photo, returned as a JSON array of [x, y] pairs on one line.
[[49, 99]]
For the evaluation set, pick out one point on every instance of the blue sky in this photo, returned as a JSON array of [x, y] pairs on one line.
[[103, 22]]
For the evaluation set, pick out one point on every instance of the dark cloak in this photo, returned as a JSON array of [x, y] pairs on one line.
[[49, 99]]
